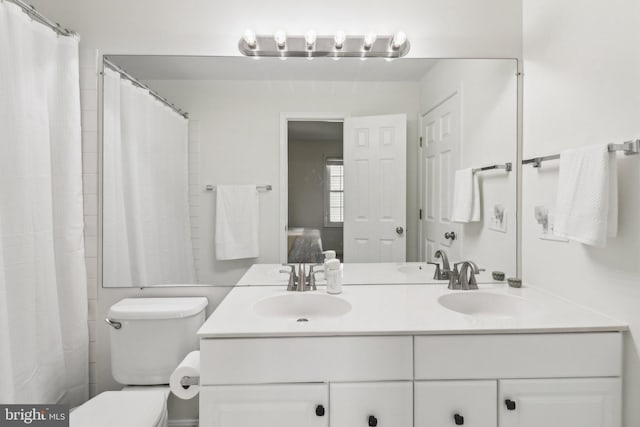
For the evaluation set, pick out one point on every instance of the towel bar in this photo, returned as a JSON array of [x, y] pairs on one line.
[[267, 187], [629, 148], [507, 167]]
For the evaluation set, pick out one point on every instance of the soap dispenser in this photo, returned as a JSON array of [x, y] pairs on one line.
[[333, 276], [329, 255]]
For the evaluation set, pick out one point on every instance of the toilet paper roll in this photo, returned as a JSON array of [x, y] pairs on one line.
[[189, 367]]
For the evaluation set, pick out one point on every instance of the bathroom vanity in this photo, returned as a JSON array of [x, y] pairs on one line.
[[407, 355]]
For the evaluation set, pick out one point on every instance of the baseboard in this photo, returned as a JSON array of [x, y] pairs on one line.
[[183, 423]]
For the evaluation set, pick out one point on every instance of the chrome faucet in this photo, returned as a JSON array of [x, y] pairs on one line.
[[454, 277], [293, 279], [441, 273], [464, 280], [301, 282], [312, 276], [468, 280]]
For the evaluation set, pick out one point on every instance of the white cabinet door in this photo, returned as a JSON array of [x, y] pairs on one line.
[[386, 404], [440, 158], [589, 402], [301, 405], [375, 183], [450, 403]]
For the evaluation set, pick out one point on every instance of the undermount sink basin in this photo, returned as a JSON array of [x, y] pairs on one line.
[[302, 305], [483, 304]]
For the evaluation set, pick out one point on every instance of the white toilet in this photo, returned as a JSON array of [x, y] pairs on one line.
[[149, 338]]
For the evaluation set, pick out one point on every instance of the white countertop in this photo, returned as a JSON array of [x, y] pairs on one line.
[[401, 310], [382, 273]]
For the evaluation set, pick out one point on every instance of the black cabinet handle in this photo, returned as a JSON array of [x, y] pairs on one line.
[[511, 405], [320, 411], [458, 419], [373, 421]]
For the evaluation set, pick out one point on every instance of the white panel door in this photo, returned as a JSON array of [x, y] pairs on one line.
[[449, 403], [440, 158], [284, 405], [589, 402], [383, 404], [375, 181]]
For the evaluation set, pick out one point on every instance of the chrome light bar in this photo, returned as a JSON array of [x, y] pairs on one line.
[[310, 45]]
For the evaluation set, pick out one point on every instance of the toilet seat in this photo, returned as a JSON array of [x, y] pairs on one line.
[[141, 408]]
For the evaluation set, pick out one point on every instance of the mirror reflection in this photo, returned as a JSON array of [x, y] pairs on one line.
[[279, 161]]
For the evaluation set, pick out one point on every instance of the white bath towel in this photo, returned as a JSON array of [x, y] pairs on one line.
[[236, 222], [466, 197], [587, 200]]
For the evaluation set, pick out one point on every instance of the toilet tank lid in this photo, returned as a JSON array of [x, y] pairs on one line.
[[157, 308]]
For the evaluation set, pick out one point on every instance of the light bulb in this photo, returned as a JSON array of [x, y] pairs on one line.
[[339, 38], [281, 38], [250, 39], [310, 38], [369, 40], [398, 40]]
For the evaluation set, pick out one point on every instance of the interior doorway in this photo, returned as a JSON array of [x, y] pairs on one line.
[[315, 196], [348, 194]]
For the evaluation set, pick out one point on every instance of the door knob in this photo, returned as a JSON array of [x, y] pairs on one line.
[[511, 405], [399, 230], [373, 421], [458, 419], [320, 411], [451, 235]]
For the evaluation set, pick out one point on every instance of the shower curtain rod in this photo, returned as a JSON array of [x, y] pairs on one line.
[[153, 93], [34, 14]]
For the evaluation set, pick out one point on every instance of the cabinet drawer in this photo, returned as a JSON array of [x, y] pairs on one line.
[[371, 404], [518, 356], [584, 402], [276, 405], [450, 403], [316, 359]]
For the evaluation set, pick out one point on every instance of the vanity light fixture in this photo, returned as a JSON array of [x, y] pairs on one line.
[[250, 39], [310, 45]]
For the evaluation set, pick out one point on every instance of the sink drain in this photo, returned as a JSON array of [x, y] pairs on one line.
[[302, 320]]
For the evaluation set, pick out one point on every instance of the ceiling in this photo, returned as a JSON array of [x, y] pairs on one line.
[[150, 67]]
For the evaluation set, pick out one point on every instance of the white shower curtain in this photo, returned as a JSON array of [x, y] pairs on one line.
[[147, 228], [43, 293]]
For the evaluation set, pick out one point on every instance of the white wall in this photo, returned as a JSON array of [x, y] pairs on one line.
[[436, 28], [489, 136], [582, 86], [240, 144]]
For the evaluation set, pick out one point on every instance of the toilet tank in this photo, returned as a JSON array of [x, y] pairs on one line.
[[154, 336]]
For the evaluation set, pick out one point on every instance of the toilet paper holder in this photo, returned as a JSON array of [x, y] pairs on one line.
[[188, 381]]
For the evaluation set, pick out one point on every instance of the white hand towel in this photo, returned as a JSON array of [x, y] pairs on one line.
[[587, 201], [236, 222], [466, 197]]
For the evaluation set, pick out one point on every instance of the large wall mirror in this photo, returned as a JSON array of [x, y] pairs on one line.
[[381, 161]]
